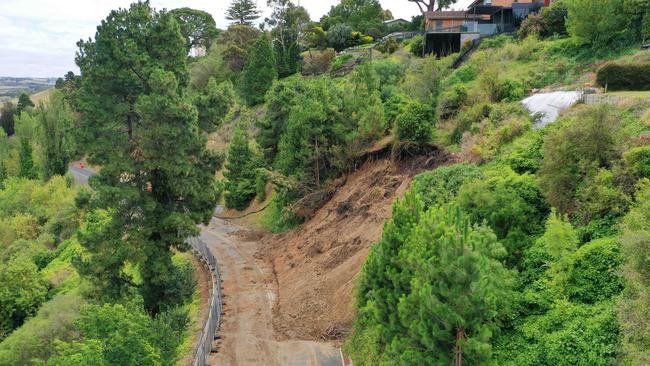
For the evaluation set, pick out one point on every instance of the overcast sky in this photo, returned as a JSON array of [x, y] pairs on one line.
[[38, 37]]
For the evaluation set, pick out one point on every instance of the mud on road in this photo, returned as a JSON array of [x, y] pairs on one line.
[[249, 294]]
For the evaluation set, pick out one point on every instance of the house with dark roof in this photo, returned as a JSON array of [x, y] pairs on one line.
[[446, 31]]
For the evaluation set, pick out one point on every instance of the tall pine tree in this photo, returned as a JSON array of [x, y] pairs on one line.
[[242, 12], [259, 72], [432, 290], [157, 177], [240, 172]]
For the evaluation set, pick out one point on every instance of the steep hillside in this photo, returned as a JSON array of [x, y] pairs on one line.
[[316, 265]]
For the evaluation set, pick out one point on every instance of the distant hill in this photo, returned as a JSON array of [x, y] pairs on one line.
[[11, 88]]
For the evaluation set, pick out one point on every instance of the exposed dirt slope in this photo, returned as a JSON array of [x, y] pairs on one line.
[[316, 265], [247, 334]]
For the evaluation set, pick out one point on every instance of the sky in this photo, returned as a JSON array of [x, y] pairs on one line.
[[38, 37]]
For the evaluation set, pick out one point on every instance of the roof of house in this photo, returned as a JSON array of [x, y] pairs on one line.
[[450, 14], [399, 20]]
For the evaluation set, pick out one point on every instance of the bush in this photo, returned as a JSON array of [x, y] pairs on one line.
[[600, 24], [317, 62], [339, 36], [637, 161], [569, 334], [511, 204], [594, 275], [389, 46], [498, 89], [416, 45], [35, 339], [389, 72], [573, 149], [624, 76], [554, 18], [415, 123], [440, 186]]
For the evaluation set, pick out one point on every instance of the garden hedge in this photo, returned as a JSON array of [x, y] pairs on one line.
[[624, 76]]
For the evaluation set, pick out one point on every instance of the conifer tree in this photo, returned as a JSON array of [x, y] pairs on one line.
[[259, 72], [240, 172], [242, 12], [27, 169], [24, 102], [157, 177], [433, 288]]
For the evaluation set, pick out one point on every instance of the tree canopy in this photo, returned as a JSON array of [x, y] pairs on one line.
[[157, 178], [242, 12]]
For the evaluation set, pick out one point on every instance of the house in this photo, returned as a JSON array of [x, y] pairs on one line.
[[447, 31], [396, 22]]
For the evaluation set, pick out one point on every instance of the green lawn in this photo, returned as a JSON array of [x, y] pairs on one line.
[[645, 94]]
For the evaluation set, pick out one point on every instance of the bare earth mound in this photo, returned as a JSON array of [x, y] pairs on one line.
[[316, 265]]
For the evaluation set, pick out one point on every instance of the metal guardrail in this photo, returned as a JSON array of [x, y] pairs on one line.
[[214, 317]]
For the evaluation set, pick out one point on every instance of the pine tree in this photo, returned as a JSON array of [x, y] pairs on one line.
[[259, 72], [240, 172], [7, 117], [434, 288], [242, 12], [157, 177], [24, 103]]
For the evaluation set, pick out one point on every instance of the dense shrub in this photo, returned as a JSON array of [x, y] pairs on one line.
[[415, 123], [573, 149], [634, 308], [388, 46], [600, 24], [637, 161], [511, 204], [439, 186], [569, 334], [594, 275], [35, 339], [124, 335], [389, 72], [416, 46], [22, 290], [554, 19], [624, 76]]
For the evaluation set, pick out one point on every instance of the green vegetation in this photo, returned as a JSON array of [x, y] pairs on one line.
[[529, 250], [624, 76]]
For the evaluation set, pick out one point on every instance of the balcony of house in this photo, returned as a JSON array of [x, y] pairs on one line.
[[484, 29]]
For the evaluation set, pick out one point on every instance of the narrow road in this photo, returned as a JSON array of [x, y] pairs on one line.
[[247, 335]]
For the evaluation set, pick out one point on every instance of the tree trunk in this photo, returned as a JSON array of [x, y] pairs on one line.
[[458, 357]]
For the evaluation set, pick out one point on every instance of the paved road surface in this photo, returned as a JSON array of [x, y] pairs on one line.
[[247, 335]]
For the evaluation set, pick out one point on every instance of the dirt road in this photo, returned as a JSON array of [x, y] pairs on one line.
[[247, 335]]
